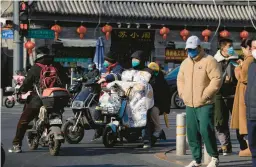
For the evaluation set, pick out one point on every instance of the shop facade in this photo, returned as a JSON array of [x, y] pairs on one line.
[[136, 25]]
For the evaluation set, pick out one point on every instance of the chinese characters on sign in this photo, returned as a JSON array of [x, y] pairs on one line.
[[146, 36], [175, 54]]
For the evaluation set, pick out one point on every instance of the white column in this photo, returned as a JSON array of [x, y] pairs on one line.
[[181, 134], [72, 75], [1, 97], [24, 54], [33, 51]]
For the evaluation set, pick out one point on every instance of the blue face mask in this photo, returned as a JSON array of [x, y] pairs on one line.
[[90, 69], [193, 53], [231, 51], [135, 63], [105, 64]]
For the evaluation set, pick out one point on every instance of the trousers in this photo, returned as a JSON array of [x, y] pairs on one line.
[[252, 139], [199, 124], [26, 117], [153, 123]]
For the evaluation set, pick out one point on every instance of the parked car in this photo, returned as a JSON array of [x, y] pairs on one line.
[[171, 79]]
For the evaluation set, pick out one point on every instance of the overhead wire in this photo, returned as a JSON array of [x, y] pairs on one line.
[[219, 18], [11, 2], [99, 21], [250, 14]]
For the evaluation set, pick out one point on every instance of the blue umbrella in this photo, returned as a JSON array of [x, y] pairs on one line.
[[99, 54]]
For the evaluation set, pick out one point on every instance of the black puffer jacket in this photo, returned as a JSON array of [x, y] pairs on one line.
[[33, 77], [162, 96]]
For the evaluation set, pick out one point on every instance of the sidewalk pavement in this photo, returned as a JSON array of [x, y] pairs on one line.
[[232, 160]]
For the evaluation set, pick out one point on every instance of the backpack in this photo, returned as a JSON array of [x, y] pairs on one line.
[[48, 76]]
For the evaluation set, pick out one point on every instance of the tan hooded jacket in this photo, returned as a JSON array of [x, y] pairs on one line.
[[199, 80]]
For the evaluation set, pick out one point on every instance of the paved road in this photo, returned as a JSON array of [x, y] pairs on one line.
[[85, 154]]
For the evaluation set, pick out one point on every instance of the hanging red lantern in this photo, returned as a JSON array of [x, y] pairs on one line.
[[57, 29], [244, 34], [184, 34], [224, 34], [164, 32], [81, 31], [107, 30], [29, 46], [206, 34]]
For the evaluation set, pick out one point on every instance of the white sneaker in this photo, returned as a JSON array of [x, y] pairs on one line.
[[214, 162], [193, 164]]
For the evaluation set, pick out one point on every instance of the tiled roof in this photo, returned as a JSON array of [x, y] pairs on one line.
[[148, 10]]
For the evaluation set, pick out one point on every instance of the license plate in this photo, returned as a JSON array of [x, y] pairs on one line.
[[55, 121]]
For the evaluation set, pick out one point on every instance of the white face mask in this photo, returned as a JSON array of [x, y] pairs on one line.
[[254, 53]]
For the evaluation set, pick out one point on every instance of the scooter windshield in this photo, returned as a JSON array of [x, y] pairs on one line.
[[83, 95]]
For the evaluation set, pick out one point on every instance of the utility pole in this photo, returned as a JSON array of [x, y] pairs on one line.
[[17, 57]]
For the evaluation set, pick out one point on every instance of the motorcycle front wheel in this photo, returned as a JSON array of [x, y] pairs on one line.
[[73, 137], [9, 103], [32, 143], [109, 139], [54, 147]]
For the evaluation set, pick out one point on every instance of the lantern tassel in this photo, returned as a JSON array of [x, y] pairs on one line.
[[206, 38], [107, 35], [81, 36], [56, 35], [164, 36]]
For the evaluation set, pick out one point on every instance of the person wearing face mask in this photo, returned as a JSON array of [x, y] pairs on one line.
[[250, 102], [93, 72], [114, 71], [153, 127], [227, 59], [238, 119], [199, 79], [162, 97]]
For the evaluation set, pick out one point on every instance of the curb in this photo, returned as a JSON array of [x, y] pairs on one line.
[[162, 156]]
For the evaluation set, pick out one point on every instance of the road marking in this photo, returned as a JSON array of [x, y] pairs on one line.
[[13, 113]]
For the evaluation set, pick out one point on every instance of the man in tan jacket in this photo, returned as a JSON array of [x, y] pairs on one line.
[[198, 81]]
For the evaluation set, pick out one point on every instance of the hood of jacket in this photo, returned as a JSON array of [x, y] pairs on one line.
[[219, 57]]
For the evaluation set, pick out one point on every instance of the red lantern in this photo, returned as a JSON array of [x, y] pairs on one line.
[[29, 46], [206, 34], [57, 29], [244, 34], [184, 34], [107, 30], [81, 31], [164, 31], [224, 34]]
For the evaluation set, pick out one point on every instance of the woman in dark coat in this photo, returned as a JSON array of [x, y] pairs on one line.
[[157, 82]]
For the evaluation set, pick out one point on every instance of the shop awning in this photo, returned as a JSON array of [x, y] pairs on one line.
[[78, 42]]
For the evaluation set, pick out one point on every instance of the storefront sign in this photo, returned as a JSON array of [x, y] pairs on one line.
[[70, 59], [41, 33], [175, 54], [135, 35], [7, 34]]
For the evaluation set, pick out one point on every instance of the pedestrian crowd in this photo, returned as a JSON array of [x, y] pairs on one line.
[[212, 88]]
